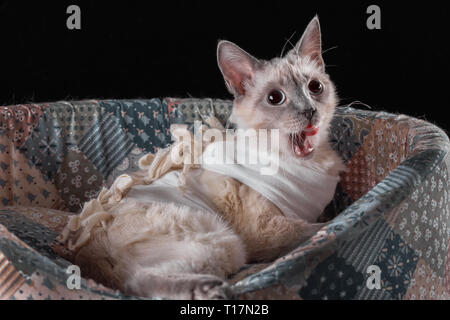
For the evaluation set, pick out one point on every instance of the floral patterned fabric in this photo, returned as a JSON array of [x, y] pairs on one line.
[[390, 210]]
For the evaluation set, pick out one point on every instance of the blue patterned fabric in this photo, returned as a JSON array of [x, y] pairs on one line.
[[390, 210]]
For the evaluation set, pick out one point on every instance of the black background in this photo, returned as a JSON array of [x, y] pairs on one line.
[[144, 49]]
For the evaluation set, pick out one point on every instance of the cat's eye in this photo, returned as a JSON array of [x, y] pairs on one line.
[[315, 87], [276, 97]]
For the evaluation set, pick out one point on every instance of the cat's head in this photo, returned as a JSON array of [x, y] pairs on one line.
[[292, 93]]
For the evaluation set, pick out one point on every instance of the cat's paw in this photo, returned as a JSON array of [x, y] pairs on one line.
[[211, 288]]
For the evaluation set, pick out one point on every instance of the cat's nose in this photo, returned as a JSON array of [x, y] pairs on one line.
[[309, 113]]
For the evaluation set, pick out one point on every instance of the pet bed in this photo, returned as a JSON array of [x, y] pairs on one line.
[[391, 209]]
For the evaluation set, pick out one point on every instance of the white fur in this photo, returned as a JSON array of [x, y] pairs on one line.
[[177, 251]]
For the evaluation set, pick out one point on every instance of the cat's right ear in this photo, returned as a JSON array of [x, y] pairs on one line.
[[237, 66]]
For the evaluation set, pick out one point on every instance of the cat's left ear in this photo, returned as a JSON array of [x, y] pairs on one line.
[[310, 45]]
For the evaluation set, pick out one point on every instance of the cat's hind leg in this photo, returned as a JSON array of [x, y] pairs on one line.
[[189, 286], [189, 268], [174, 252]]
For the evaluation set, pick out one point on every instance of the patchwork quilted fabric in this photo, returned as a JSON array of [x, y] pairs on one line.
[[391, 208]]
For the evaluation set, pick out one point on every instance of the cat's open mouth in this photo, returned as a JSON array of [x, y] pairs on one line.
[[301, 144]]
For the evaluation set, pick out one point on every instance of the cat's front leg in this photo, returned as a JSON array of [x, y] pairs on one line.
[[275, 235], [266, 232]]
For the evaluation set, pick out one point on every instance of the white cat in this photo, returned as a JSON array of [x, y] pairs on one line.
[[147, 237]]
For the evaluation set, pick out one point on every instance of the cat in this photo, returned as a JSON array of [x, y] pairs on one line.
[[185, 249]]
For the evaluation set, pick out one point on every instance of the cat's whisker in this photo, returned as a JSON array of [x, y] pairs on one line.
[[329, 49], [359, 118], [287, 41], [359, 102], [316, 61]]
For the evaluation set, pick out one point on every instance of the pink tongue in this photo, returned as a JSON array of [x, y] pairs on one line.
[[311, 130]]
